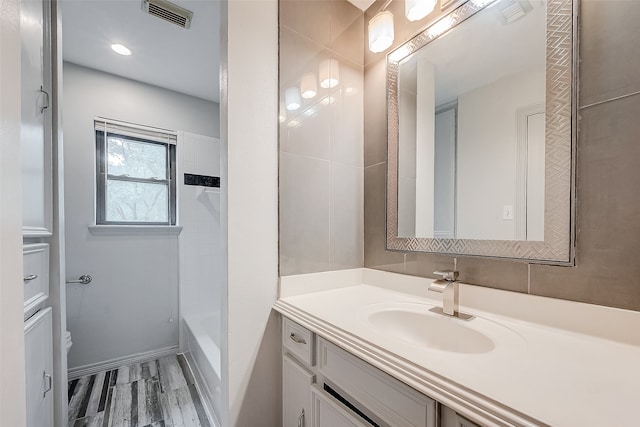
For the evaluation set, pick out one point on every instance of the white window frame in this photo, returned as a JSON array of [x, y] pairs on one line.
[[103, 128]]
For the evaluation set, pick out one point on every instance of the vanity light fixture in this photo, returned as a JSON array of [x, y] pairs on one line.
[[329, 72], [292, 98], [415, 10], [308, 85], [381, 31], [120, 49]]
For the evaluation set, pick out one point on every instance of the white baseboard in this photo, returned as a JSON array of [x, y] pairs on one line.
[[108, 365], [202, 389]]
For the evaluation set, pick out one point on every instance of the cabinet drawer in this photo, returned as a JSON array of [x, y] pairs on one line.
[[394, 402], [35, 263], [298, 341], [329, 413], [449, 418]]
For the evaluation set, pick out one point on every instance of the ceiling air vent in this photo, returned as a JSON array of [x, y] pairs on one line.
[[513, 10], [168, 11]]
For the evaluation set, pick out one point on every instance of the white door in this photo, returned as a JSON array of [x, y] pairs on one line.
[[535, 176], [296, 394], [38, 345], [444, 167], [35, 118]]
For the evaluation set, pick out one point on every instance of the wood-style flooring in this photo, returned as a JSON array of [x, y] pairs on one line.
[[159, 393]]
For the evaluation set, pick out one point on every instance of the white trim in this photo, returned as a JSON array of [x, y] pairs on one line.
[[522, 167], [131, 129], [135, 230], [201, 387], [94, 368]]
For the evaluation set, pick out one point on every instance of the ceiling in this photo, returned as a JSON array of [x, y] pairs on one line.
[[163, 54], [362, 4], [482, 50]]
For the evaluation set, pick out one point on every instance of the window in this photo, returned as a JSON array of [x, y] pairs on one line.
[[135, 175]]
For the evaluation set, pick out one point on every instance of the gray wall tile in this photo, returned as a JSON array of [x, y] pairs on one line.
[[375, 118], [305, 202], [321, 143], [607, 268], [609, 49], [375, 254]]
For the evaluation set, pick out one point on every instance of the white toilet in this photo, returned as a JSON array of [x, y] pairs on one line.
[[68, 340]]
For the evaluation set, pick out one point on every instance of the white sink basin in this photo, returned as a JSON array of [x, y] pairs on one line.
[[414, 324]]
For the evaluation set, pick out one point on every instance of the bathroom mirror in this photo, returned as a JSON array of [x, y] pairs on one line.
[[481, 129]]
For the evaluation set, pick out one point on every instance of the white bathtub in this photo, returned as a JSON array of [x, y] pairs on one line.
[[202, 340]]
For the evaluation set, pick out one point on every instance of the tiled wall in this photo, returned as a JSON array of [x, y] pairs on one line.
[[321, 143], [607, 268]]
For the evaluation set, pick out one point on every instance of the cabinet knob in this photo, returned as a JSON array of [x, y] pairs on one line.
[[30, 277]]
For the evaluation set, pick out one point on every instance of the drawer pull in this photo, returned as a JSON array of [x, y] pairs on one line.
[[301, 419], [46, 103], [49, 381], [297, 339], [30, 277]]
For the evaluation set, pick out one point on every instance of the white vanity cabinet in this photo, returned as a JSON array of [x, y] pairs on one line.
[[39, 369], [326, 386], [35, 129]]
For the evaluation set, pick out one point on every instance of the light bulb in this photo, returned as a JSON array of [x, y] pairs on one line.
[[308, 85], [121, 49], [292, 98], [329, 73], [381, 31], [418, 9]]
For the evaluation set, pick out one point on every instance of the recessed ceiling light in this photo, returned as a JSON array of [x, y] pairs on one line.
[[121, 49]]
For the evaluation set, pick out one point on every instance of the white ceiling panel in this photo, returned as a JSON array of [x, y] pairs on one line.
[[163, 54]]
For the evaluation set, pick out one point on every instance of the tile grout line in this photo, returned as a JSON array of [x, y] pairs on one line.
[[594, 104], [326, 47]]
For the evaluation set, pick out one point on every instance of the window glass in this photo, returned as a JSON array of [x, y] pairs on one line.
[[129, 201], [135, 158]]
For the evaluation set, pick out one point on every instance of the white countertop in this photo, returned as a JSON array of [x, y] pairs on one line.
[[554, 362]]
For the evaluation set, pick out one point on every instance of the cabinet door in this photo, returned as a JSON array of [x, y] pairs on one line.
[[35, 117], [296, 394], [38, 343], [328, 413], [450, 418]]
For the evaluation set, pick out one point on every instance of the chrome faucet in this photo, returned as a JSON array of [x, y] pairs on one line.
[[448, 287]]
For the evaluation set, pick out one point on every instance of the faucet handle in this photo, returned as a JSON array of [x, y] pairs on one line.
[[448, 275]]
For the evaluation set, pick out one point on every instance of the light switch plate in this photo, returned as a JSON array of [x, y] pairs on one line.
[[507, 212]]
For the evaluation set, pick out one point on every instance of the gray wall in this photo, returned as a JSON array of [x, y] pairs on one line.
[[607, 270], [321, 164], [128, 307]]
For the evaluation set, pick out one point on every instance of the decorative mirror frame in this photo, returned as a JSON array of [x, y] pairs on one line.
[[558, 246]]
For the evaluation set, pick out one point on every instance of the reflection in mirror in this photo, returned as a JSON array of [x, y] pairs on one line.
[[471, 129], [481, 133]]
